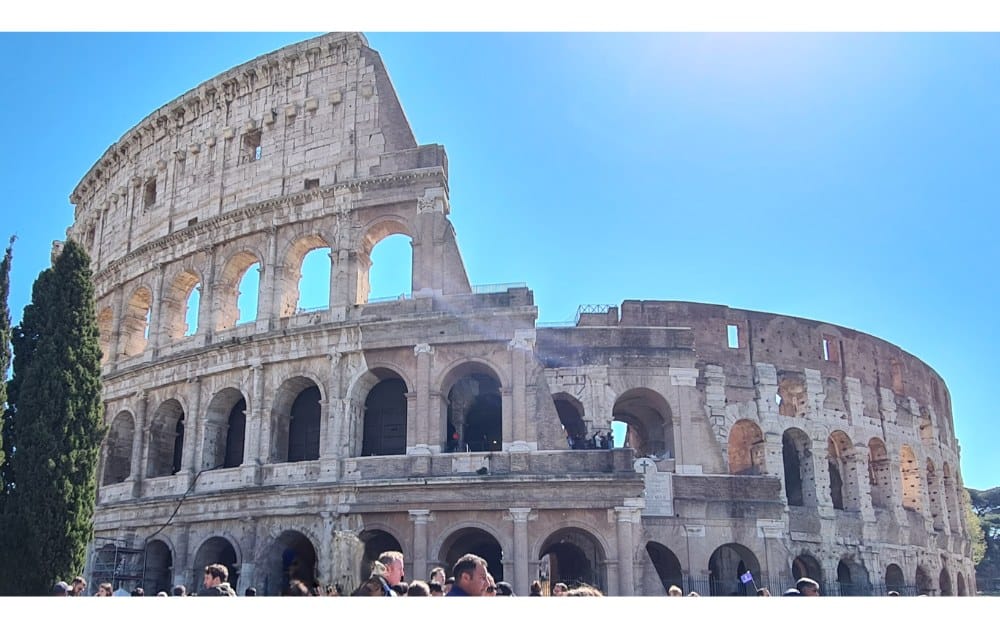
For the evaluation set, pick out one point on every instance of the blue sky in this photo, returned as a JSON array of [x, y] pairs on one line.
[[850, 178]]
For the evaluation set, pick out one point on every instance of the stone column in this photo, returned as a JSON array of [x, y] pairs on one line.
[[684, 381], [895, 494], [522, 578], [193, 434], [520, 349], [857, 466], [114, 343], [137, 470], [337, 415], [248, 568], [324, 566], [422, 420], [267, 308], [419, 558], [428, 256], [206, 300], [821, 479], [156, 316], [183, 570], [626, 578]]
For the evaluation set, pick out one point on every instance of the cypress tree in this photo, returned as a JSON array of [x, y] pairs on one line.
[[55, 407], [4, 350]]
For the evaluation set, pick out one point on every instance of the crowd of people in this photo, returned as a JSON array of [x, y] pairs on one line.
[[470, 577]]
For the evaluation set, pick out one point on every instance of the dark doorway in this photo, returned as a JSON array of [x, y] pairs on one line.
[[235, 435], [303, 428], [478, 542], [385, 419]]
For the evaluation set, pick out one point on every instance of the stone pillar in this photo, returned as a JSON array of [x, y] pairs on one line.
[[324, 566], [137, 471], [428, 255], [421, 428], [684, 381], [419, 558], [270, 284], [625, 516], [193, 433], [338, 415], [896, 489], [155, 339], [114, 343], [857, 467], [248, 568], [522, 578], [183, 570], [206, 300], [821, 479], [521, 349]]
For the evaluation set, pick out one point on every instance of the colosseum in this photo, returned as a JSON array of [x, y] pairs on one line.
[[304, 441]]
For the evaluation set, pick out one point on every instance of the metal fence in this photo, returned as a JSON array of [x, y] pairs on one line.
[[778, 585]]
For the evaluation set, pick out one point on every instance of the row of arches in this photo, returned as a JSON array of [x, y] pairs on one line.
[[303, 280], [473, 423], [845, 465], [570, 555]]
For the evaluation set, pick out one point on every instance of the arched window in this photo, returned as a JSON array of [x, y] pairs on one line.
[[249, 290], [650, 422], [180, 306], [570, 412], [225, 430], [474, 420], [236, 293], [385, 418], [118, 447], [135, 322], [911, 479], [385, 262], [303, 429], [304, 281], [792, 396], [844, 491], [746, 448], [166, 440], [800, 478]]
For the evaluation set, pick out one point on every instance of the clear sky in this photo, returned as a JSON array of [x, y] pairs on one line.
[[850, 178]]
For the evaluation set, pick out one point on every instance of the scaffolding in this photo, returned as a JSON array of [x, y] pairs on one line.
[[124, 567]]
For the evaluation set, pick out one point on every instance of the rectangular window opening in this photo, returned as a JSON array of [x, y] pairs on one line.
[[733, 333], [830, 350], [312, 184], [251, 147], [149, 194]]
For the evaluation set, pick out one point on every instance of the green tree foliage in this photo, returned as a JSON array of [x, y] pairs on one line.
[[986, 506], [4, 347], [55, 406]]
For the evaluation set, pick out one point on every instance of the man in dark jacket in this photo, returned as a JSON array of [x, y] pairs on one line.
[[216, 582], [470, 577]]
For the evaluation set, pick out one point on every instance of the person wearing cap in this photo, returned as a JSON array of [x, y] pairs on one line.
[[504, 589], [60, 589], [791, 592]]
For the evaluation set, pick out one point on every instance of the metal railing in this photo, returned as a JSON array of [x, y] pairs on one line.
[[490, 288]]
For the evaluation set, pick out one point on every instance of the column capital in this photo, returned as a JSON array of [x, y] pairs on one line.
[[421, 516], [520, 515], [423, 347]]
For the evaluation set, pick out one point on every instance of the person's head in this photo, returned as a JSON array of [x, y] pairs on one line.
[[104, 590], [693, 594], [448, 584], [138, 592], [418, 588], [807, 587], [791, 592], [470, 575], [491, 585], [436, 589], [763, 592], [393, 562], [60, 589], [437, 575], [675, 591], [296, 588], [582, 590], [559, 589], [179, 591], [250, 592], [893, 593], [162, 594], [215, 574], [504, 589], [536, 588], [78, 586], [401, 589]]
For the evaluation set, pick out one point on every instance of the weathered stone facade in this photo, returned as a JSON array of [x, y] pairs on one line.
[[305, 442]]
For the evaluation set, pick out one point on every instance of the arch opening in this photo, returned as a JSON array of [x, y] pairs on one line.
[[800, 478], [166, 440], [475, 414], [296, 421], [726, 565], [118, 459], [574, 557], [650, 422], [158, 574], [668, 567], [385, 263], [135, 323], [376, 542], [305, 277], [384, 431], [214, 550], [225, 430], [290, 557], [746, 448], [473, 541]]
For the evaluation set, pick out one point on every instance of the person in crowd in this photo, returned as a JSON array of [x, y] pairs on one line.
[[582, 590], [333, 590], [675, 591], [536, 589], [78, 587], [394, 571], [162, 594], [372, 587], [179, 590], [104, 589], [138, 592], [216, 582], [791, 592], [504, 589], [693, 594], [295, 588], [436, 589], [418, 588], [437, 575], [559, 589], [60, 589], [448, 584], [807, 587], [250, 592], [470, 574], [763, 592], [401, 589], [893, 593]]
